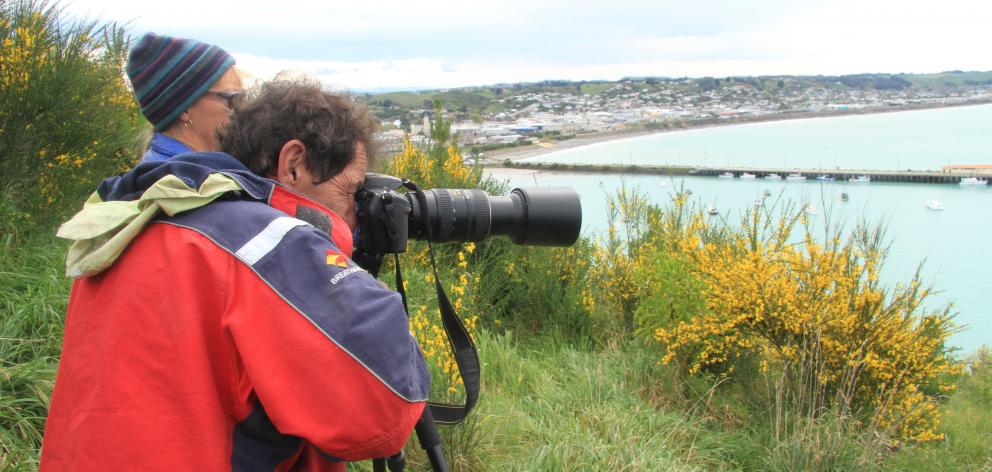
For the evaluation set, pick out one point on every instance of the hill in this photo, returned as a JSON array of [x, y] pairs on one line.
[[560, 96]]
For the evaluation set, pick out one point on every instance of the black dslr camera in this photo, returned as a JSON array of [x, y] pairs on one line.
[[387, 219]]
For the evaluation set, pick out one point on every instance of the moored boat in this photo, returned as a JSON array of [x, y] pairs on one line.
[[727, 175], [826, 178], [795, 177], [934, 205], [973, 181], [748, 176], [773, 177], [861, 179]]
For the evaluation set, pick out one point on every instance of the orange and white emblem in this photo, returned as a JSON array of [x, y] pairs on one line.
[[336, 259]]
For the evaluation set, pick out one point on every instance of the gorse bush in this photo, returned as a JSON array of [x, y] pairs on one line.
[[67, 117], [776, 296]]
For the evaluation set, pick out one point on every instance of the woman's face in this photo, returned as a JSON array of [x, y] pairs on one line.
[[211, 111]]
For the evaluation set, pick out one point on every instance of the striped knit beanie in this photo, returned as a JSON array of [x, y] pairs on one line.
[[169, 74]]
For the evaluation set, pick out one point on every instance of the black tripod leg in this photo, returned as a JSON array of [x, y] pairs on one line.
[[430, 440]]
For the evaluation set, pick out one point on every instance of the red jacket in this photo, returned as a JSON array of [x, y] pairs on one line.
[[233, 337]]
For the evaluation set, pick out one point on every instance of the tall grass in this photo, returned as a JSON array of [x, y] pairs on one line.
[[553, 407], [33, 291], [967, 426]]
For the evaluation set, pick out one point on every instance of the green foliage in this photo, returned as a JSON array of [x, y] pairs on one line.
[[967, 426], [67, 118], [34, 294], [673, 294], [536, 290]]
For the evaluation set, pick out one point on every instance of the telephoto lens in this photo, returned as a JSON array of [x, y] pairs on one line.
[[534, 216]]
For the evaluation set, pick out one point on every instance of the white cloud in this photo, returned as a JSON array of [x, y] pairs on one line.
[[445, 44]]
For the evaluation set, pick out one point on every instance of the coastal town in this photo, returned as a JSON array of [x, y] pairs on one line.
[[501, 117]]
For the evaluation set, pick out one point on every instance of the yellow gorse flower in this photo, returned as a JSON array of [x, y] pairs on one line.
[[781, 302]]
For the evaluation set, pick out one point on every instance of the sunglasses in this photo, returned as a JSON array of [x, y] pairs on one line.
[[230, 98]]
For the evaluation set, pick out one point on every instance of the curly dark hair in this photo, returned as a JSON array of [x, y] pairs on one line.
[[330, 125]]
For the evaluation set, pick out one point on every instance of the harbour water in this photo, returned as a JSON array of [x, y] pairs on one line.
[[950, 243]]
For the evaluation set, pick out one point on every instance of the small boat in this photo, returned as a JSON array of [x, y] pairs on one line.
[[747, 176], [727, 175], [795, 177], [934, 205], [973, 181], [826, 178], [812, 210], [759, 202], [773, 177], [861, 179], [664, 184], [712, 209], [767, 193], [844, 197]]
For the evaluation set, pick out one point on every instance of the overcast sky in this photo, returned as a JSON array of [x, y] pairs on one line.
[[369, 45]]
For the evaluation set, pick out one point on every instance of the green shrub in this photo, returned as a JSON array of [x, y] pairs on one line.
[[67, 117]]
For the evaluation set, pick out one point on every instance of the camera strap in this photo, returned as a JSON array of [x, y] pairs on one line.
[[466, 356]]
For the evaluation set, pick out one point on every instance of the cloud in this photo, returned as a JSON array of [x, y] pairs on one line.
[[433, 44]]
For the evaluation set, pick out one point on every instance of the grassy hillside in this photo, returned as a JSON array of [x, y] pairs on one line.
[[949, 79]]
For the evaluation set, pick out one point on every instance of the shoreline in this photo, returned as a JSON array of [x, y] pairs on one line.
[[497, 157]]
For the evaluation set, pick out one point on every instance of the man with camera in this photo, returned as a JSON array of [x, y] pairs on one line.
[[217, 321]]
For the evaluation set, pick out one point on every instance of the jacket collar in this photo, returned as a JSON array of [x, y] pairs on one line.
[[194, 168]]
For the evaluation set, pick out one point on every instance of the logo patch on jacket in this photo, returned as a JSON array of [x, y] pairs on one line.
[[335, 258]]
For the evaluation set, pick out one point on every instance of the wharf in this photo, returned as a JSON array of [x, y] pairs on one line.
[[924, 177]]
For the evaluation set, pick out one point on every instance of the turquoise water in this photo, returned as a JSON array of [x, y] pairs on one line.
[[952, 241], [916, 140]]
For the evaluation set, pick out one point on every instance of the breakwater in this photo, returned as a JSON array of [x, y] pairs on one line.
[[922, 177]]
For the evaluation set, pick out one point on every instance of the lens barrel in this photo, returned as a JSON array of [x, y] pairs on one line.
[[534, 216], [455, 215]]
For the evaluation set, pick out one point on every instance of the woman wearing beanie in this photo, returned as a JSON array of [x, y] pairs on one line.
[[186, 89]]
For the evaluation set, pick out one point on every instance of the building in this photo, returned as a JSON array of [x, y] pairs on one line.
[[968, 169]]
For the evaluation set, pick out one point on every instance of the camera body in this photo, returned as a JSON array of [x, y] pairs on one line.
[[387, 219], [383, 215]]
